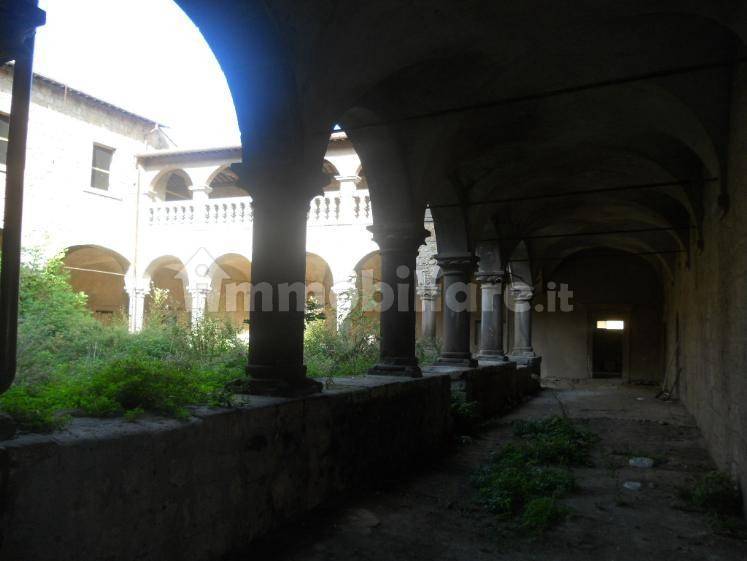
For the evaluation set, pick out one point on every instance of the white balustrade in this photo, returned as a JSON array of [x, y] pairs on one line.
[[324, 211]]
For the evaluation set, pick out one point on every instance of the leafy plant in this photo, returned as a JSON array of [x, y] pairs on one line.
[[715, 493], [71, 364], [525, 480], [350, 349]]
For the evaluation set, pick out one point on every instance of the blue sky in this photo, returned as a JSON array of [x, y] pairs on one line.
[[143, 55]]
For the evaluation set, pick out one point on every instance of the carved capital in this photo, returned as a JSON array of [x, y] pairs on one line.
[[428, 292], [461, 263], [280, 181], [490, 277], [399, 237]]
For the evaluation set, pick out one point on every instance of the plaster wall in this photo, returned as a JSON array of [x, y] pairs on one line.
[[621, 287]]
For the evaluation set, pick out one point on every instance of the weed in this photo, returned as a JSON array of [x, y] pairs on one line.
[[716, 494], [525, 480]]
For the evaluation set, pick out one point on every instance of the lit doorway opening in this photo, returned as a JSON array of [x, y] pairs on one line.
[[608, 348]]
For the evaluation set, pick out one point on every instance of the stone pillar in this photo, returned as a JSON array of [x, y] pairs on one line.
[[201, 193], [198, 296], [522, 350], [491, 323], [429, 296], [455, 347], [136, 308], [281, 194], [348, 187], [398, 245], [344, 293]]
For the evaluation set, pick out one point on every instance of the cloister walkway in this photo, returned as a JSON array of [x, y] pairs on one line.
[[435, 516]]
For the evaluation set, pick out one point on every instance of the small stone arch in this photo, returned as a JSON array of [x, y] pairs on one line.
[[319, 283], [224, 183], [168, 273], [172, 185], [230, 298], [100, 273]]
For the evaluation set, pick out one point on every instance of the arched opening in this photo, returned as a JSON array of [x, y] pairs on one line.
[[173, 186], [230, 297], [319, 284], [367, 279], [225, 184], [99, 273], [167, 296]]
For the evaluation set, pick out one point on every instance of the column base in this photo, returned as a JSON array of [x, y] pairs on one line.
[[456, 359], [396, 368], [522, 357], [277, 381], [492, 356]]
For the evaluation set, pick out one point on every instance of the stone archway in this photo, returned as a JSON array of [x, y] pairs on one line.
[[99, 272]]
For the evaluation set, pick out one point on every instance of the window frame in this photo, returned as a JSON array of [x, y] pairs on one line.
[[94, 169], [6, 139]]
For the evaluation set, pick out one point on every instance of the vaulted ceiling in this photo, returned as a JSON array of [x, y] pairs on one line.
[[491, 110]]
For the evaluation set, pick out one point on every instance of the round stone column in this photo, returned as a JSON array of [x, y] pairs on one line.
[[281, 196], [398, 245], [429, 297], [491, 323], [455, 348], [522, 349]]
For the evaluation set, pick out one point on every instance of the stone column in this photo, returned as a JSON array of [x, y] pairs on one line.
[[491, 323], [281, 194], [522, 350], [344, 293], [429, 297], [136, 308], [455, 348], [198, 296], [348, 186], [398, 245]]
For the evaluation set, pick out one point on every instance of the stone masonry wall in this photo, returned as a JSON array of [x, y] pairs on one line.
[[166, 490], [706, 312]]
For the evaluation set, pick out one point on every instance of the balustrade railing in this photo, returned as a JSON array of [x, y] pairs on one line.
[[326, 210]]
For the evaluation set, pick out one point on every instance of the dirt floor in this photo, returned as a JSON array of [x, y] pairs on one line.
[[435, 515]]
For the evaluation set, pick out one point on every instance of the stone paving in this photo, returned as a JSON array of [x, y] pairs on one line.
[[434, 515]]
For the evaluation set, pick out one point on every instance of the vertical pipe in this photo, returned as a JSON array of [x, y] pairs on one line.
[[11, 248]]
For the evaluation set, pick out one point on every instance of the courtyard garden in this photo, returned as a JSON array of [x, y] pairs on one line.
[[70, 364]]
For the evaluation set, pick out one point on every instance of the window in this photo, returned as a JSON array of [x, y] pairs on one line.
[[611, 324], [4, 128], [101, 166]]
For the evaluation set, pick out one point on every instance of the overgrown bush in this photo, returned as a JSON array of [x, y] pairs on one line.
[[69, 363]]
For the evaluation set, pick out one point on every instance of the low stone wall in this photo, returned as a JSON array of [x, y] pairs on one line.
[[165, 490], [493, 387]]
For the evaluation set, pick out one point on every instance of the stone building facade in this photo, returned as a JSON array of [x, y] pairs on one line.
[[133, 213]]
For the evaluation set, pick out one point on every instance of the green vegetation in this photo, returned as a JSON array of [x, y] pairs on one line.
[[524, 481], [464, 413], [70, 364], [716, 494]]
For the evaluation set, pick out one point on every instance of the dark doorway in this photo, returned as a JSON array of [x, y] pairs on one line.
[[607, 349]]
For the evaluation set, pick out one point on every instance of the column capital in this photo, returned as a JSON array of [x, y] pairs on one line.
[[279, 179], [348, 178], [522, 294], [428, 292], [399, 236], [207, 189], [462, 262], [487, 278]]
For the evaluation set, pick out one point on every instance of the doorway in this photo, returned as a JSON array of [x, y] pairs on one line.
[[608, 346]]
